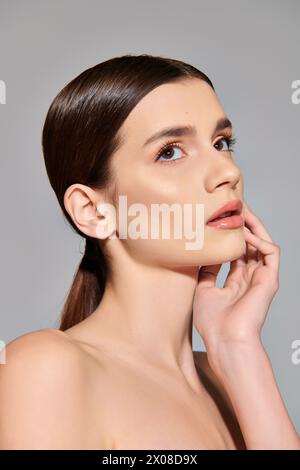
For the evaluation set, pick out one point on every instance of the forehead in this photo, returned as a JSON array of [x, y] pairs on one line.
[[188, 102]]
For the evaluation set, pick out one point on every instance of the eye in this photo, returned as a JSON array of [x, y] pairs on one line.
[[230, 141], [171, 150]]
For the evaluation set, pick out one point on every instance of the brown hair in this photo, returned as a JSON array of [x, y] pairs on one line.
[[79, 137]]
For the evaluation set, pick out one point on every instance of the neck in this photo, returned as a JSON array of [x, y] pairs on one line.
[[146, 312]]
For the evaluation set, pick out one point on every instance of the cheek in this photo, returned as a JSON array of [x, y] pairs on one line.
[[145, 186], [163, 228], [144, 189], [156, 188]]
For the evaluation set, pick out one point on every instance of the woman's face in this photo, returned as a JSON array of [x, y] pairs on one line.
[[199, 171]]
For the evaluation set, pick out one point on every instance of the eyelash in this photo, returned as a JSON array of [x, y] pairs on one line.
[[231, 141]]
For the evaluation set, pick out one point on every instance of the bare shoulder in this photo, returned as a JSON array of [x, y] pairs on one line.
[[41, 353], [216, 390], [28, 343], [43, 396]]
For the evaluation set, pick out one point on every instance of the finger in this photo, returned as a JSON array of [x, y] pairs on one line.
[[260, 257], [207, 275], [255, 225], [252, 253], [269, 251], [236, 266], [233, 276]]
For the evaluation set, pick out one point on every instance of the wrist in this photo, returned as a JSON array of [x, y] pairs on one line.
[[228, 357]]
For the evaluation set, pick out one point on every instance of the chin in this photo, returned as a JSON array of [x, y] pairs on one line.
[[225, 249], [233, 252]]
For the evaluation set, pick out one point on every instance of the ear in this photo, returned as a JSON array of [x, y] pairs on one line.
[[90, 212]]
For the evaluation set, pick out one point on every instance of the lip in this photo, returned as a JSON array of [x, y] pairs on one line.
[[233, 221]]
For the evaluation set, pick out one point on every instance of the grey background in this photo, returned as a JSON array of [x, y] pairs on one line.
[[249, 49]]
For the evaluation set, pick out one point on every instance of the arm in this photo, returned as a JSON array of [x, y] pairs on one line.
[[230, 320], [43, 402], [218, 393], [247, 376]]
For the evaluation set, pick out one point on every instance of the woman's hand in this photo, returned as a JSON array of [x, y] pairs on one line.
[[230, 319], [236, 313]]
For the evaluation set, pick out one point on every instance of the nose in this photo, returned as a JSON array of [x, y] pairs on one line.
[[221, 174]]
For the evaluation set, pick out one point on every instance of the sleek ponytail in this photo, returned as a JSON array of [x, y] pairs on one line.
[[80, 135], [87, 286]]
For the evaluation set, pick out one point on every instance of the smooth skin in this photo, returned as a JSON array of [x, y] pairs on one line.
[[230, 320], [126, 377]]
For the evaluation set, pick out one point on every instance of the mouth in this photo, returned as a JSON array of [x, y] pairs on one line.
[[228, 216]]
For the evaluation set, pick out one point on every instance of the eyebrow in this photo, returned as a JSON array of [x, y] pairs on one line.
[[179, 131]]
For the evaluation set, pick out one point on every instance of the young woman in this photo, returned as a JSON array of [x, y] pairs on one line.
[[120, 372]]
